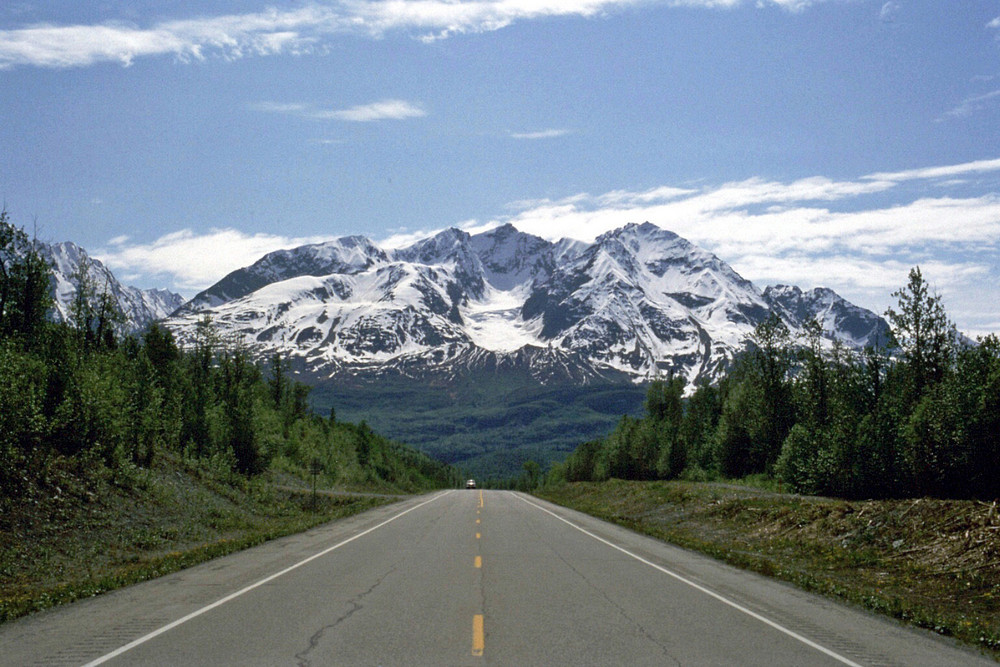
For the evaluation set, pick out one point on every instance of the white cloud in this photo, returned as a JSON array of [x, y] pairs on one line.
[[541, 134], [299, 30], [364, 113], [384, 110], [774, 232], [663, 193], [234, 36], [192, 261], [294, 108], [947, 171], [811, 232], [736, 216]]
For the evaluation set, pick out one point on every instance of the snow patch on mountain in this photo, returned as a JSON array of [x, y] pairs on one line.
[[495, 323]]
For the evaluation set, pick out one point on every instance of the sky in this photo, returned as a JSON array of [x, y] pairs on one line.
[[833, 143]]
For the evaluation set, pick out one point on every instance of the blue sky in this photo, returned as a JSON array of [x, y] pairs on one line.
[[814, 142]]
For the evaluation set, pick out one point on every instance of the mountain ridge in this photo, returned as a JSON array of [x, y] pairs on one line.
[[140, 307], [640, 302]]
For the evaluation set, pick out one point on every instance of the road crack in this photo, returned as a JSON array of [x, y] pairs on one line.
[[302, 657]]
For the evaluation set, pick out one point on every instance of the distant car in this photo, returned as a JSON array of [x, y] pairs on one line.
[[471, 484]]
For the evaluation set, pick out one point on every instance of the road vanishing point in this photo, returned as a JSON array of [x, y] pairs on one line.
[[467, 577]]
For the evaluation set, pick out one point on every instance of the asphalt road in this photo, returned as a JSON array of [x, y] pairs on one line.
[[466, 578]]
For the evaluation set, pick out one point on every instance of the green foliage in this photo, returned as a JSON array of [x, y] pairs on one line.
[[580, 464], [23, 426], [79, 392], [532, 475], [733, 436], [94, 313], [24, 283], [922, 329], [804, 461], [698, 426], [827, 420], [488, 426]]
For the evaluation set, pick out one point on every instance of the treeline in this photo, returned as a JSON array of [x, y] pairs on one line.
[[82, 391], [918, 415]]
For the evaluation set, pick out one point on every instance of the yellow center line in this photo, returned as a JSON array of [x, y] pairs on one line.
[[478, 521], [478, 639], [480, 498], [479, 535], [479, 562]]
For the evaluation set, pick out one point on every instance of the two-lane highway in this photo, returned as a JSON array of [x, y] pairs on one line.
[[466, 578]]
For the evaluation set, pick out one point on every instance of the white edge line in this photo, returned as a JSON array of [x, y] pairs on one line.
[[232, 596], [699, 587]]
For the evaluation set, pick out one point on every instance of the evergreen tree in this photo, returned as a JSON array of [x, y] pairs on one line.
[[921, 327], [665, 407], [701, 419], [238, 380], [161, 350], [757, 409], [24, 284], [278, 383]]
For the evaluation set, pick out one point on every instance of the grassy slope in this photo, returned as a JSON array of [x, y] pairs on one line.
[[84, 531], [488, 427], [933, 563]]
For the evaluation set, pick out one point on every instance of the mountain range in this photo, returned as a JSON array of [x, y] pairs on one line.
[[140, 307], [638, 303], [490, 349], [484, 350]]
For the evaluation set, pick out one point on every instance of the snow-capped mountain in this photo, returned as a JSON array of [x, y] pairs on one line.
[[349, 255], [855, 326], [638, 303], [140, 307], [645, 301]]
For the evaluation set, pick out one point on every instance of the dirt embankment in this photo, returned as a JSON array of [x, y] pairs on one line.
[[86, 530], [933, 563]]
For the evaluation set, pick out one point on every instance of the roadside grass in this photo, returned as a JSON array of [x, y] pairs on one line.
[[86, 530], [931, 563]]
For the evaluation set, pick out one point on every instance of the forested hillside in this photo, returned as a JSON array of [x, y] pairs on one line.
[[81, 395], [917, 416]]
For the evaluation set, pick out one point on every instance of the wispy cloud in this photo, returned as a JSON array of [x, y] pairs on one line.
[[191, 260], [364, 113], [972, 105], [940, 172], [811, 232], [384, 110], [541, 134], [889, 11], [774, 232], [302, 29], [232, 36]]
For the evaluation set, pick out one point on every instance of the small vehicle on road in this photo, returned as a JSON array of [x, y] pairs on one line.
[[470, 484]]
